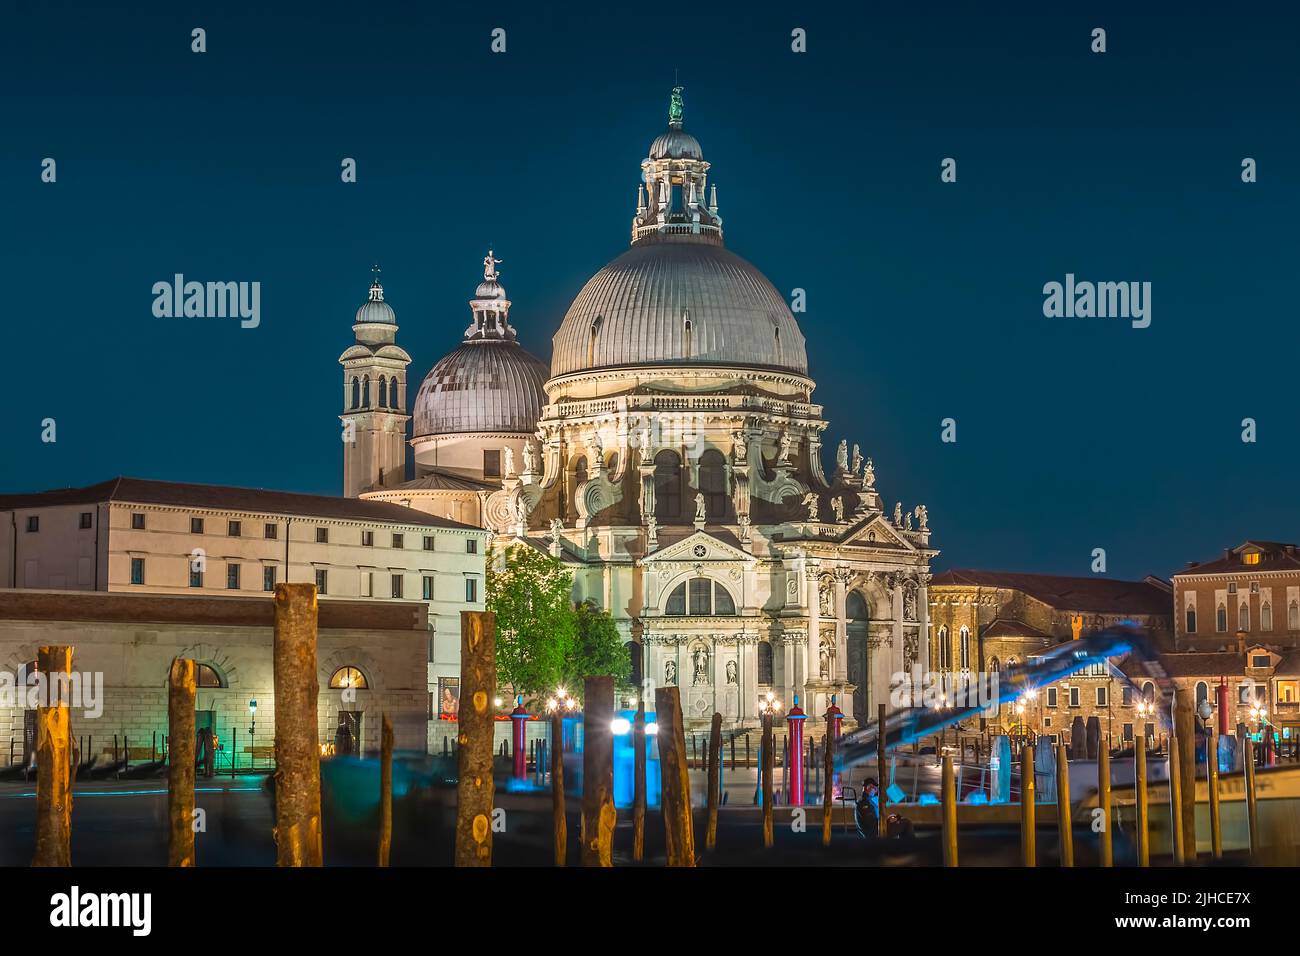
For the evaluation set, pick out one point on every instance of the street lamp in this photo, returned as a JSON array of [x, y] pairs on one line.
[[252, 726]]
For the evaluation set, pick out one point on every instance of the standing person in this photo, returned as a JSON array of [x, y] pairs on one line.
[[866, 812]]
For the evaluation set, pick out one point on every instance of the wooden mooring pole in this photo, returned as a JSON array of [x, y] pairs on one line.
[[475, 789], [1185, 743], [949, 813], [1028, 808], [1143, 806], [53, 770], [1252, 817], [1104, 803], [715, 777], [766, 758], [828, 784], [1175, 802], [1212, 786], [385, 790], [182, 685], [559, 822], [297, 752], [1064, 819], [599, 816], [638, 780], [881, 780], [679, 835]]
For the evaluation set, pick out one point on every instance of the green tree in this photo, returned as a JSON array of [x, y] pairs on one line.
[[530, 594], [598, 648]]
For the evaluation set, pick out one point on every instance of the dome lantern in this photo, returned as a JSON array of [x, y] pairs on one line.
[[675, 177]]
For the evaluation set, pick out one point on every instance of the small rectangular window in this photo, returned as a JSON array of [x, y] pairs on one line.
[[471, 590], [33, 523], [196, 526], [196, 577], [1126, 696], [234, 529], [492, 463], [322, 579], [397, 585], [399, 541], [1103, 699], [426, 589], [471, 546], [268, 578], [1260, 660], [322, 535], [368, 539], [232, 577], [1128, 731], [367, 584], [1051, 697], [1232, 587], [137, 521], [1074, 697], [1254, 587], [87, 518], [137, 570], [428, 542], [271, 531]]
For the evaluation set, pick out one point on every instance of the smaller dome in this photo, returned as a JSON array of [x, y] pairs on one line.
[[375, 309], [489, 289], [676, 143]]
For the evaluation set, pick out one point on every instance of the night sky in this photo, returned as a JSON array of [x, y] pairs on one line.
[[924, 298]]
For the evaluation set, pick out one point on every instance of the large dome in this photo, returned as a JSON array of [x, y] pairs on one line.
[[640, 304]]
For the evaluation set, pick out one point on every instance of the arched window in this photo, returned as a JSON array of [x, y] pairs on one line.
[[965, 648], [1243, 616], [1149, 692], [686, 334], [699, 597], [383, 392], [356, 392], [1266, 617], [591, 341], [1293, 617], [348, 678], [365, 392], [855, 606], [765, 664], [1202, 692], [668, 486], [1191, 620], [206, 676], [713, 485], [945, 649], [1221, 619]]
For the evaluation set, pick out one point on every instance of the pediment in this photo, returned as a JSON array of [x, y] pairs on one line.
[[877, 531], [697, 547]]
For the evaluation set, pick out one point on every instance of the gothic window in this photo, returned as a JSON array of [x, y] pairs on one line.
[[945, 649], [1293, 617], [713, 485], [965, 648], [700, 597], [765, 664], [1191, 620], [365, 392], [1266, 617], [383, 392], [356, 392], [1243, 616], [668, 486], [1221, 619]]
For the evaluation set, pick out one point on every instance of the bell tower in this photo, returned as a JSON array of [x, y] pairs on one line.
[[374, 399]]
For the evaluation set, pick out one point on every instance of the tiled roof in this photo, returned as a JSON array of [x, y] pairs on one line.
[[1102, 595], [437, 480], [1201, 664], [1275, 556], [224, 498], [1006, 627]]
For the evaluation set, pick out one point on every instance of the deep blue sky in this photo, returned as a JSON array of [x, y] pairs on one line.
[[924, 299]]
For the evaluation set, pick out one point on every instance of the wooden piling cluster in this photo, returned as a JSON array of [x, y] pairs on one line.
[[559, 821], [679, 836], [599, 816]]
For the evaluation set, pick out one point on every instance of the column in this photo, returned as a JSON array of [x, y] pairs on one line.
[[841, 627], [896, 651], [813, 593], [923, 608]]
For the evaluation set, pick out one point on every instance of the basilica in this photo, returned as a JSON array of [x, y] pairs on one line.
[[671, 455]]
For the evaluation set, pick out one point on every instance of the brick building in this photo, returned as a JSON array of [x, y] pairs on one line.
[[1253, 588], [986, 621]]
